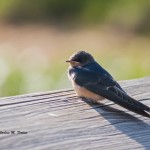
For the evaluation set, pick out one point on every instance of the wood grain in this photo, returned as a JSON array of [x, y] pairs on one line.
[[58, 120]]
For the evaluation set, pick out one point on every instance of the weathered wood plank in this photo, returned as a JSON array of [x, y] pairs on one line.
[[59, 120]]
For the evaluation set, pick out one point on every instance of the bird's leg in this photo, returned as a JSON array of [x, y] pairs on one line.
[[89, 100]]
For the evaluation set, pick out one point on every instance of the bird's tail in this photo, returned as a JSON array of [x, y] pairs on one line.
[[129, 103]]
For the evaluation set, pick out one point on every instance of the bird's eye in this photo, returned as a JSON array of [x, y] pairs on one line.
[[79, 60]]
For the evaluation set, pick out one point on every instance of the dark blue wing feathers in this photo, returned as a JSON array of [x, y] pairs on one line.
[[104, 85], [95, 67]]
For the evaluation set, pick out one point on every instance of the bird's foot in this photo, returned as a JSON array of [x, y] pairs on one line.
[[89, 101]]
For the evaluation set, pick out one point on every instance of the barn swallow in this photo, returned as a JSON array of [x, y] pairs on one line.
[[91, 81]]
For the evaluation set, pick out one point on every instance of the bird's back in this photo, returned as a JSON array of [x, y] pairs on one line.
[[95, 67]]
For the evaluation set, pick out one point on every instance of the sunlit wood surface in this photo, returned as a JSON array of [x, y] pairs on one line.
[[58, 120]]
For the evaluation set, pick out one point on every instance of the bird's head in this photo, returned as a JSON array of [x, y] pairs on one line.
[[80, 58]]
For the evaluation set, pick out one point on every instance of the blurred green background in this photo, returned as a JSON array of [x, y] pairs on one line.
[[37, 36]]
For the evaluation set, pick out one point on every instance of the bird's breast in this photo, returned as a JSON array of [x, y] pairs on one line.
[[83, 92]]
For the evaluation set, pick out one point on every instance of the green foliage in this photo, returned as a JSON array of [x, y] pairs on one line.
[[128, 13], [14, 83], [27, 10]]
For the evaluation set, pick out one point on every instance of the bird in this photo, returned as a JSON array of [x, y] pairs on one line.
[[91, 81]]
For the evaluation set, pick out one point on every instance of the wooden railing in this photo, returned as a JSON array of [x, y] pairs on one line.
[[58, 120]]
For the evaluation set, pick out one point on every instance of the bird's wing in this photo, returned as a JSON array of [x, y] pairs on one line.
[[95, 67], [108, 88]]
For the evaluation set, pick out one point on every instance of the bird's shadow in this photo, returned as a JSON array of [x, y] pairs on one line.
[[129, 125]]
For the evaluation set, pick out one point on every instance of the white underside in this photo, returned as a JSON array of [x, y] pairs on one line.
[[82, 92]]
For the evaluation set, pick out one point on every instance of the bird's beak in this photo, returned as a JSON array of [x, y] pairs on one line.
[[68, 61], [71, 61]]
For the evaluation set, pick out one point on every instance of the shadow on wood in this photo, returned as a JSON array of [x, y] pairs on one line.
[[126, 124]]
